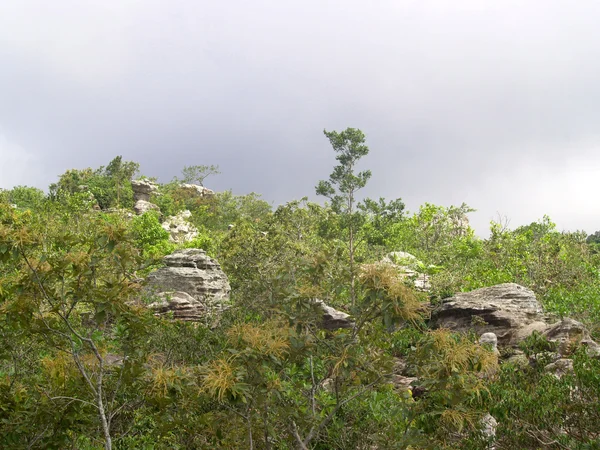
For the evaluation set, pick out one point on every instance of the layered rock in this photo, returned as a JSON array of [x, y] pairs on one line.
[[142, 206], [180, 230], [142, 190], [192, 286], [196, 190], [508, 310]]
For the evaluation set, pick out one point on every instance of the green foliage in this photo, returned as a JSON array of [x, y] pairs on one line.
[[197, 174], [110, 186], [26, 197], [78, 346]]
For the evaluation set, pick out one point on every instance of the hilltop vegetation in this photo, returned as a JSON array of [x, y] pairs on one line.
[[85, 363]]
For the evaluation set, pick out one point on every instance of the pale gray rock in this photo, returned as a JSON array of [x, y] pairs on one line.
[[197, 190], [180, 230], [491, 340], [142, 190], [488, 430], [506, 310], [334, 319], [560, 367], [192, 286], [181, 304], [569, 333], [142, 206]]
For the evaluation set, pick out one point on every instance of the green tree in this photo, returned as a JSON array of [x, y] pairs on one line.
[[344, 183], [193, 174]]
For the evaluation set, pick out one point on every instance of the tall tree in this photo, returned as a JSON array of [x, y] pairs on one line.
[[343, 184]]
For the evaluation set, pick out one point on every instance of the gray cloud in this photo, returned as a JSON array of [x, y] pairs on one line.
[[491, 103]]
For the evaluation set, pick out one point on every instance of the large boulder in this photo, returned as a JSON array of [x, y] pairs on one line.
[[180, 230], [142, 206], [142, 189], [191, 285], [509, 310]]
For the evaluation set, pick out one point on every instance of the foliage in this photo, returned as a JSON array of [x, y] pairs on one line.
[[197, 174]]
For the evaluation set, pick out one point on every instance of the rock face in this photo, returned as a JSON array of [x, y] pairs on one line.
[[489, 339], [142, 189], [510, 311], [406, 265], [180, 230], [197, 190], [334, 319], [141, 206], [192, 286]]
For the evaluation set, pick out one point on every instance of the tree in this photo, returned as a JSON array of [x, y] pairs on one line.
[[69, 288], [343, 184], [198, 174]]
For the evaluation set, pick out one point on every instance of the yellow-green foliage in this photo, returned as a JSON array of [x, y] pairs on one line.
[[385, 289]]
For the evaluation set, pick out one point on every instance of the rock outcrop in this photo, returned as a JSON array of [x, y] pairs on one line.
[[142, 206], [191, 286], [509, 310], [196, 190], [142, 190], [180, 230], [332, 318]]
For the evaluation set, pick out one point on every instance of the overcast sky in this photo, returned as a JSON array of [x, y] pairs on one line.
[[492, 103]]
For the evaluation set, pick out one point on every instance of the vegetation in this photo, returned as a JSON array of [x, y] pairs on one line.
[[85, 365]]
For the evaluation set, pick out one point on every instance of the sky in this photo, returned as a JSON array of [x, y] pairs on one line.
[[492, 103]]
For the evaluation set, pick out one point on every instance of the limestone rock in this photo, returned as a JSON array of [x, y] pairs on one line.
[[142, 189], [141, 206], [181, 304], [332, 318], [488, 430], [505, 309], [196, 190], [490, 339], [569, 333], [560, 367], [191, 285], [180, 230]]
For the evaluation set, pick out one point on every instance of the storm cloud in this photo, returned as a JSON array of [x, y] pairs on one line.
[[495, 104]]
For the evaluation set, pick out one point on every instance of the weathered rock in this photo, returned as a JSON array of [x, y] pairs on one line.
[[197, 190], [407, 264], [191, 285], [519, 360], [491, 340], [560, 367], [181, 304], [488, 430], [180, 230], [332, 318], [569, 334], [142, 206], [506, 310], [142, 189]]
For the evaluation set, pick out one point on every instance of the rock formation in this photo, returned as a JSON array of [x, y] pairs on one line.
[[334, 319], [180, 230], [510, 311], [196, 190], [142, 190], [191, 285]]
